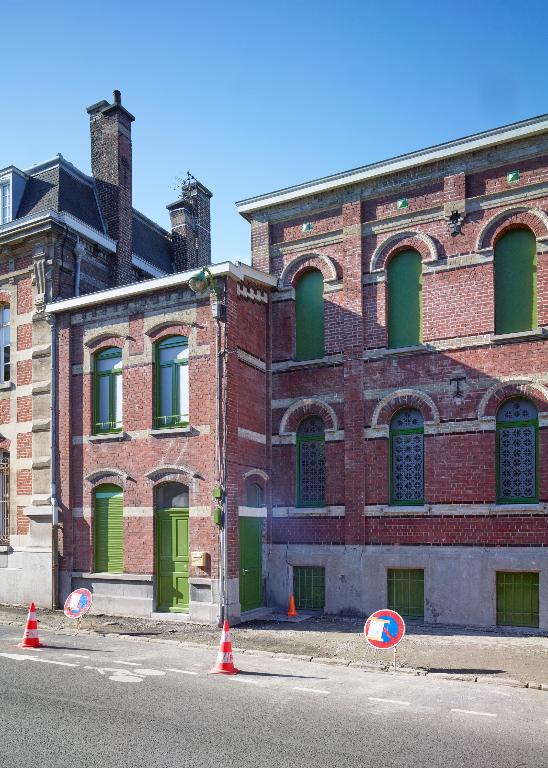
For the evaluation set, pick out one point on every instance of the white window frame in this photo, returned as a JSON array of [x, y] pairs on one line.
[[5, 201]]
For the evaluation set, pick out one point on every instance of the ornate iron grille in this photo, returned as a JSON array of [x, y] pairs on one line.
[[517, 462], [4, 499], [407, 467], [312, 472]]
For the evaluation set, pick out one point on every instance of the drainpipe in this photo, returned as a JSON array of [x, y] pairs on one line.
[[79, 251], [219, 311], [53, 467]]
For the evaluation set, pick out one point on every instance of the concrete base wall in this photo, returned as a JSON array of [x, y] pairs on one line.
[[459, 582], [25, 576]]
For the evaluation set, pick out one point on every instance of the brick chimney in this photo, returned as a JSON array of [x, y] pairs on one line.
[[191, 228], [110, 126]]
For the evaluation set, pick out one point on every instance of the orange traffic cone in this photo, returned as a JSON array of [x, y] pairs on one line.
[[292, 611], [30, 638], [225, 660]]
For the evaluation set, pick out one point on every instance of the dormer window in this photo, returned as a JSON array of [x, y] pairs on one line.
[[5, 202]]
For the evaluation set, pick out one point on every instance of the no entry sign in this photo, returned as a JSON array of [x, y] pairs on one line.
[[384, 629], [78, 603]]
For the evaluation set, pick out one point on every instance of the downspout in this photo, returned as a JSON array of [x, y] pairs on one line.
[[79, 251], [53, 468], [220, 422]]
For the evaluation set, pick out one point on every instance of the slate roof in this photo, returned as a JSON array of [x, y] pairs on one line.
[[60, 186]]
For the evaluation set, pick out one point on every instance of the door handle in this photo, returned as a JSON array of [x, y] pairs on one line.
[[245, 570]]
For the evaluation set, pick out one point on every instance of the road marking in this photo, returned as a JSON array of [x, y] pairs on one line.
[[245, 680], [146, 672], [76, 655], [389, 701], [182, 671], [310, 690], [119, 678], [474, 712], [21, 657], [129, 663]]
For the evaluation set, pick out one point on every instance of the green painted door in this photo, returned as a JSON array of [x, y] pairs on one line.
[[406, 592], [251, 563], [309, 316], [515, 282], [109, 529], [172, 560], [404, 276], [517, 599]]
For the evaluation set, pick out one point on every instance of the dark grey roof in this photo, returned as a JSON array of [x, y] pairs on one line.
[[151, 242], [57, 188]]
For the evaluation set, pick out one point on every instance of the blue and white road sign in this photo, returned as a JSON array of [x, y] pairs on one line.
[[78, 603]]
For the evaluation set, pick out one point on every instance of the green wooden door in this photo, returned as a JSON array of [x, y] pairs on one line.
[[109, 529], [515, 282], [404, 275], [517, 599], [406, 592], [251, 561], [172, 560], [309, 316]]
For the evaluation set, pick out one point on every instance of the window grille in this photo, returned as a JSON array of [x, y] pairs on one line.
[[4, 498], [309, 588], [407, 457], [517, 438], [311, 462]]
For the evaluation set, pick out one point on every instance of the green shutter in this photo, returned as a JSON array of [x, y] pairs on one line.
[[309, 316], [404, 299], [309, 588], [406, 592], [515, 282], [517, 599], [109, 529]]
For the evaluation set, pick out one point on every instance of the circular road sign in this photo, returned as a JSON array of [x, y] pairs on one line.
[[78, 603], [384, 629]]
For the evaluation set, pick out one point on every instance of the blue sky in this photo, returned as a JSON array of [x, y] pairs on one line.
[[251, 97]]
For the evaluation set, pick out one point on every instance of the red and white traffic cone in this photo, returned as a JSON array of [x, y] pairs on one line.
[[30, 638], [225, 660]]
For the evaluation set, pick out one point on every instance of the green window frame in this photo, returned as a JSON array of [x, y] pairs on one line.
[[406, 469], [404, 299], [255, 495], [108, 394], [172, 383], [517, 452], [311, 462], [517, 598], [515, 267], [406, 592], [108, 529], [309, 587], [309, 316]]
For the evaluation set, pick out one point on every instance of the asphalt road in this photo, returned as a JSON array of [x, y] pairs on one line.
[[91, 701]]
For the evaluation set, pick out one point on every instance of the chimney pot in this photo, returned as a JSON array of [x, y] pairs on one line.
[[117, 97]]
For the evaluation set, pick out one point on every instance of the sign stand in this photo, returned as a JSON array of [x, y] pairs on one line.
[[383, 630], [77, 605]]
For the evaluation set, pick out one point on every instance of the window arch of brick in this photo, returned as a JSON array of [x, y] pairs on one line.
[[179, 473], [403, 241], [108, 475], [307, 407], [300, 264], [165, 329], [494, 397], [404, 398], [531, 218], [103, 340]]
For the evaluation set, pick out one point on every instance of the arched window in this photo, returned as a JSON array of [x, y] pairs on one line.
[[255, 495], [311, 462], [4, 497], [108, 390], [172, 404], [404, 305], [109, 529], [4, 343], [407, 458], [517, 448], [309, 316], [515, 281], [171, 496]]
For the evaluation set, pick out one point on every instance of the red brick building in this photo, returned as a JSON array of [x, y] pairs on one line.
[[371, 398]]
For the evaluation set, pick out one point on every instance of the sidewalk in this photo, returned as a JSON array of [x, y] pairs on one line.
[[504, 655]]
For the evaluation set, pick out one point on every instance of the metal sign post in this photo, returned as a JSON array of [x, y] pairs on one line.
[[384, 629]]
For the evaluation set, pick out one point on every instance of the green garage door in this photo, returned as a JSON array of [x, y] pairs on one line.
[[309, 588], [109, 529], [517, 599], [406, 592]]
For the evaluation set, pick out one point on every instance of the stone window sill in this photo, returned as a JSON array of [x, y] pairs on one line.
[[166, 431], [320, 361], [5, 385], [252, 511], [112, 576], [108, 436], [535, 333], [331, 511], [534, 507]]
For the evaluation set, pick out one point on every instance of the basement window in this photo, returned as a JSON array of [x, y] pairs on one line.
[[309, 587]]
